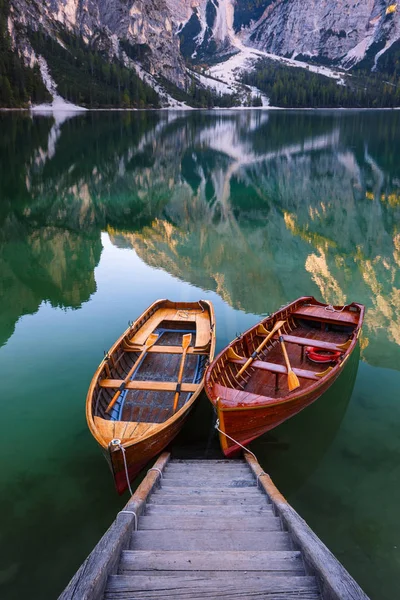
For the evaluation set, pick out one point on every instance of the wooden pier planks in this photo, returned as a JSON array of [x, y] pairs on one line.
[[210, 531]]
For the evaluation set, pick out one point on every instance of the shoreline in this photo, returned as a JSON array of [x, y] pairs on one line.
[[35, 111]]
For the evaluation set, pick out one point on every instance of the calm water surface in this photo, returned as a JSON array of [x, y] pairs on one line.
[[102, 213]]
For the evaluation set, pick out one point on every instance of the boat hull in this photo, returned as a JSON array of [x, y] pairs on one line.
[[251, 398], [260, 420]]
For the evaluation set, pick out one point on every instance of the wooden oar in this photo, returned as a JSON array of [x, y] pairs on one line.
[[293, 381], [151, 340], [277, 326], [186, 339]]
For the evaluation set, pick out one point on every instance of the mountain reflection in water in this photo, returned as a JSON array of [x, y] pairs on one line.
[[259, 207]]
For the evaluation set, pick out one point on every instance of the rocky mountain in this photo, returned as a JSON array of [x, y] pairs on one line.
[[162, 41], [342, 32], [104, 24]]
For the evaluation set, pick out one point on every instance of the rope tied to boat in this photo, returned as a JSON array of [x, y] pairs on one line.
[[118, 444], [233, 440]]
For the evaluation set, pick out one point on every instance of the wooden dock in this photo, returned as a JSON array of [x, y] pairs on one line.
[[198, 529]]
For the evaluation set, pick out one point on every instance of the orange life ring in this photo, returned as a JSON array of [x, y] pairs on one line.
[[322, 356]]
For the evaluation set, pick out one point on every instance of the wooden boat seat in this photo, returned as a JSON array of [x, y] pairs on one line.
[[319, 313], [166, 350], [233, 397], [274, 368], [294, 339], [158, 386], [203, 333]]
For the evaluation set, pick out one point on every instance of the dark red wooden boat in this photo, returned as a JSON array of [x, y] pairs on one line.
[[280, 366], [143, 390]]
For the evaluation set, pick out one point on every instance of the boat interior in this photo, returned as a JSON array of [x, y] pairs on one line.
[[154, 392], [267, 374]]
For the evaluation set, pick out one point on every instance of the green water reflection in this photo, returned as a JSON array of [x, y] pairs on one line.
[[102, 213]]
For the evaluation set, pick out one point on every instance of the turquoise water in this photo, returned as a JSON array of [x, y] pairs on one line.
[[102, 213]]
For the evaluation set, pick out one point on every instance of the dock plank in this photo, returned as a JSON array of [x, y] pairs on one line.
[[200, 586], [155, 522], [202, 540], [153, 560]]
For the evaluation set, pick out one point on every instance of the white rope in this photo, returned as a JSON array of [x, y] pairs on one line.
[[244, 448], [129, 512], [235, 441], [117, 443], [331, 308], [156, 469]]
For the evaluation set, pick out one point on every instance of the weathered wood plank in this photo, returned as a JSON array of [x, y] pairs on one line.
[[221, 464], [178, 482], [335, 582], [175, 522], [153, 560], [215, 499], [208, 510], [198, 584], [235, 492], [90, 580], [210, 468], [202, 540], [230, 593]]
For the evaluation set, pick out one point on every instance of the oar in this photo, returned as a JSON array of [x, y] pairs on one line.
[[151, 340], [293, 381], [277, 326], [186, 339]]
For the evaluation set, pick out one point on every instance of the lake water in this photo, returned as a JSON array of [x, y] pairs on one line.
[[102, 213]]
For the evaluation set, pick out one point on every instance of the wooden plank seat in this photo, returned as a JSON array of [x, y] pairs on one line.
[[162, 386], [231, 397], [293, 339], [274, 368], [164, 349], [202, 321], [319, 313]]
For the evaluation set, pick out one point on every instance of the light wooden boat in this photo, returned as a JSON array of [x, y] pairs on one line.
[[144, 388], [255, 389]]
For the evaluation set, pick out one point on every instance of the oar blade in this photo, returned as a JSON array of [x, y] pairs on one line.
[[151, 340], [186, 340], [293, 382]]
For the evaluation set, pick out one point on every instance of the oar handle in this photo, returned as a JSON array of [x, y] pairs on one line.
[[118, 392], [260, 347]]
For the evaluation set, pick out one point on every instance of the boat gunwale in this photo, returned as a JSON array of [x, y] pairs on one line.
[[152, 309]]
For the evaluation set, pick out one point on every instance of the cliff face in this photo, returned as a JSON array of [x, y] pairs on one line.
[[104, 24], [337, 31]]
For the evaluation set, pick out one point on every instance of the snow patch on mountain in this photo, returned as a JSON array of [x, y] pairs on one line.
[[58, 103]]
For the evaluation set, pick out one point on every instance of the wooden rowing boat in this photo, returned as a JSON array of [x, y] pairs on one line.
[[279, 366], [144, 388]]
